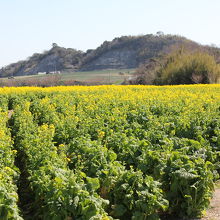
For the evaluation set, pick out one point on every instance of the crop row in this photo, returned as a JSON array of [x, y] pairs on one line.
[[8, 172]]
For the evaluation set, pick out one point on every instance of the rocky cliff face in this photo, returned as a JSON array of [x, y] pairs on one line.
[[124, 58], [48, 64], [56, 59]]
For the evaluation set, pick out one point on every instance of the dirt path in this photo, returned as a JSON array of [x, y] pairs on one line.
[[213, 213], [10, 112]]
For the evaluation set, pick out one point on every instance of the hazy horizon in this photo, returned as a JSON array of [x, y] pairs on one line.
[[32, 26]]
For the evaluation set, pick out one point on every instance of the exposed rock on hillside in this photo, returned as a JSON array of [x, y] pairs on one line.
[[113, 59], [56, 59], [130, 52]]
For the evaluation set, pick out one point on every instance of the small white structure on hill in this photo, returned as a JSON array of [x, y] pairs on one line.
[[54, 72]]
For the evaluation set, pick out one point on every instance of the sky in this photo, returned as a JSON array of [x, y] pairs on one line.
[[30, 26]]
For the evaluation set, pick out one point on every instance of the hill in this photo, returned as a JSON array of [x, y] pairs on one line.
[[56, 59], [121, 53], [131, 51]]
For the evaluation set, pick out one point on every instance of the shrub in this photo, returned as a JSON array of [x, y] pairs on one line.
[[188, 68]]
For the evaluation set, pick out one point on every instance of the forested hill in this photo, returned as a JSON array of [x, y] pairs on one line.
[[56, 59], [131, 51], [121, 53]]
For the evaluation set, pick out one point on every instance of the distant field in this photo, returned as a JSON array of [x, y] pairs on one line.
[[106, 76], [111, 76]]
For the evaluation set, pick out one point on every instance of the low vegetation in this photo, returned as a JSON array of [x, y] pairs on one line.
[[180, 67], [108, 152]]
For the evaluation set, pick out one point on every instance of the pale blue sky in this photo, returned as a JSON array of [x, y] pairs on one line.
[[29, 26]]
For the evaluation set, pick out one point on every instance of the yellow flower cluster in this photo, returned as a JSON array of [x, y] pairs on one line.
[[76, 133]]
